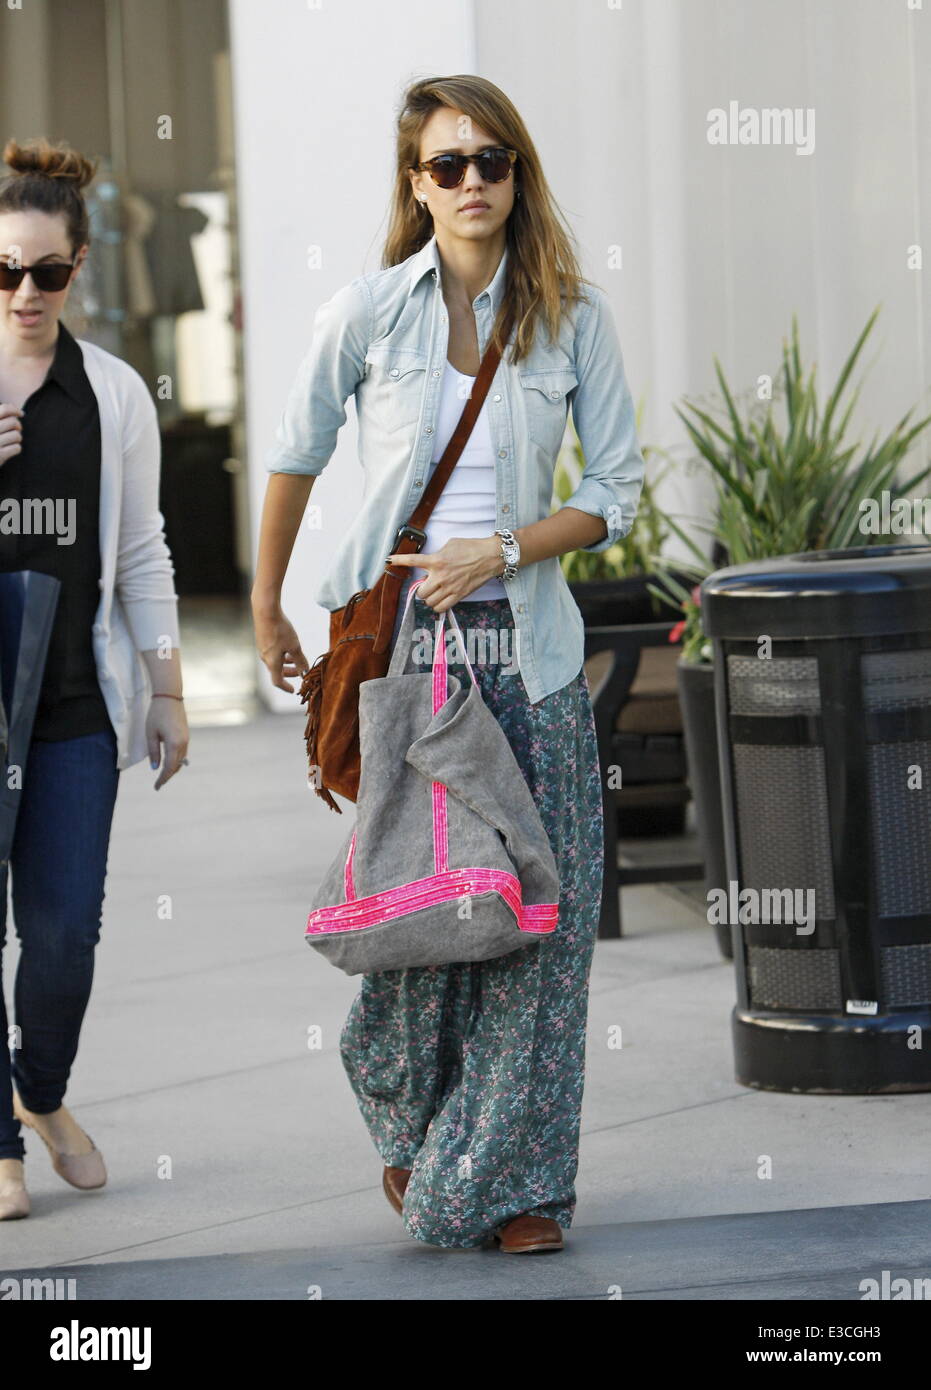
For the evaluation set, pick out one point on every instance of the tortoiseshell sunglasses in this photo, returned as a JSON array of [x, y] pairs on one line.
[[448, 170]]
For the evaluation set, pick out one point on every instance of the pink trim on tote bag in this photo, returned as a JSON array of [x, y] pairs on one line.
[[444, 883]]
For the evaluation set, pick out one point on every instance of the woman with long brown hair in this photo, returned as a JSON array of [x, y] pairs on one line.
[[79, 443], [469, 1077]]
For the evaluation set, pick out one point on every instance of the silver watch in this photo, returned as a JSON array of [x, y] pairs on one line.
[[510, 553]]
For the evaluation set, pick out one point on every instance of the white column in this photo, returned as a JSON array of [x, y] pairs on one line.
[[316, 93]]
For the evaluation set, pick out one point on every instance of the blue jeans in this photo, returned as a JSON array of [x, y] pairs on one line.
[[58, 866]]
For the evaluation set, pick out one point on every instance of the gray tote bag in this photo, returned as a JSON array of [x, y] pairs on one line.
[[448, 859]]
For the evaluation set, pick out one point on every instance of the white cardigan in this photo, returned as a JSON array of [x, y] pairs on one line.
[[138, 608]]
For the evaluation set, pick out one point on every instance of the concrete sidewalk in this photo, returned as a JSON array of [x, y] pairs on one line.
[[239, 1164]]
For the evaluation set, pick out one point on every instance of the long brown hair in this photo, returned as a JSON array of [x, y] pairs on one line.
[[543, 275], [48, 178]]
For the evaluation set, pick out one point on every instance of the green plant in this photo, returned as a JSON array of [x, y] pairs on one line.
[[786, 488], [631, 556], [696, 648]]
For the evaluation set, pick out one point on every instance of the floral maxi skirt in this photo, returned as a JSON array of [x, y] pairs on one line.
[[472, 1074]]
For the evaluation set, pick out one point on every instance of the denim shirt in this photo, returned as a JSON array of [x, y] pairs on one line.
[[383, 338]]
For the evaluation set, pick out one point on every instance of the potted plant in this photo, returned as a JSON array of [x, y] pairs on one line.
[[612, 589], [784, 485]]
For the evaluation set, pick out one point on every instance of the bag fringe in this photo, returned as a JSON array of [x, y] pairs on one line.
[[312, 696]]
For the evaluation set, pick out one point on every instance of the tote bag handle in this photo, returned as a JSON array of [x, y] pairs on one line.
[[401, 653]]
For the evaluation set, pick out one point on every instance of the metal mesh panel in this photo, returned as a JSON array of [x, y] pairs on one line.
[[784, 979], [784, 685], [782, 820], [906, 975], [901, 819], [896, 680]]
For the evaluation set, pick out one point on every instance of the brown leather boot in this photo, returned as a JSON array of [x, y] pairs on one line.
[[394, 1181], [527, 1233]]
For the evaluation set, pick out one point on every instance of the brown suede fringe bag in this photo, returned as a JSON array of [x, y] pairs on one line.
[[361, 631]]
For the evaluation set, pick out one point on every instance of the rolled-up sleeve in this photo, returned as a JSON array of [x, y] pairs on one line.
[[328, 374], [604, 418]]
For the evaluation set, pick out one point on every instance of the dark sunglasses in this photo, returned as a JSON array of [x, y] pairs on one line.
[[448, 170], [48, 278]]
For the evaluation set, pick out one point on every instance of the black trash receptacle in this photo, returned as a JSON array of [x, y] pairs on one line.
[[823, 702]]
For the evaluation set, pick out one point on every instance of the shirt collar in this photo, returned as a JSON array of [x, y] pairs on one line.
[[427, 260], [68, 365]]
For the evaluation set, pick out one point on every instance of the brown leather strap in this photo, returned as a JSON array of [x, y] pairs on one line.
[[393, 575]]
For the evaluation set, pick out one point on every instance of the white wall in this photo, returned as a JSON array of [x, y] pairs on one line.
[[720, 243], [316, 92]]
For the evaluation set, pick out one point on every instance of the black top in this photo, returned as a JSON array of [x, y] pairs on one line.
[[56, 475]]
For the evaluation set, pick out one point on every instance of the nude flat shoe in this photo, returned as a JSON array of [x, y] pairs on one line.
[[85, 1171], [14, 1204]]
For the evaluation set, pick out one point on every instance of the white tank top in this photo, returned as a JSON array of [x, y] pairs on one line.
[[466, 506]]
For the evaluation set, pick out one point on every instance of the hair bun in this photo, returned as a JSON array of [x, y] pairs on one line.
[[54, 161]]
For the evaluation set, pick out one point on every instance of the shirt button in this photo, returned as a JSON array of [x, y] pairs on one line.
[[418, 484], [506, 507], [496, 398], [520, 608], [429, 429], [393, 372], [554, 395], [502, 453], [436, 371]]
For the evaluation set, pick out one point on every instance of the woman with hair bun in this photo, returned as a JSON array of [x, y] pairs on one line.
[[79, 472]]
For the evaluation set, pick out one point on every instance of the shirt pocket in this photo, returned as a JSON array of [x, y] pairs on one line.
[[545, 397], [391, 391]]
